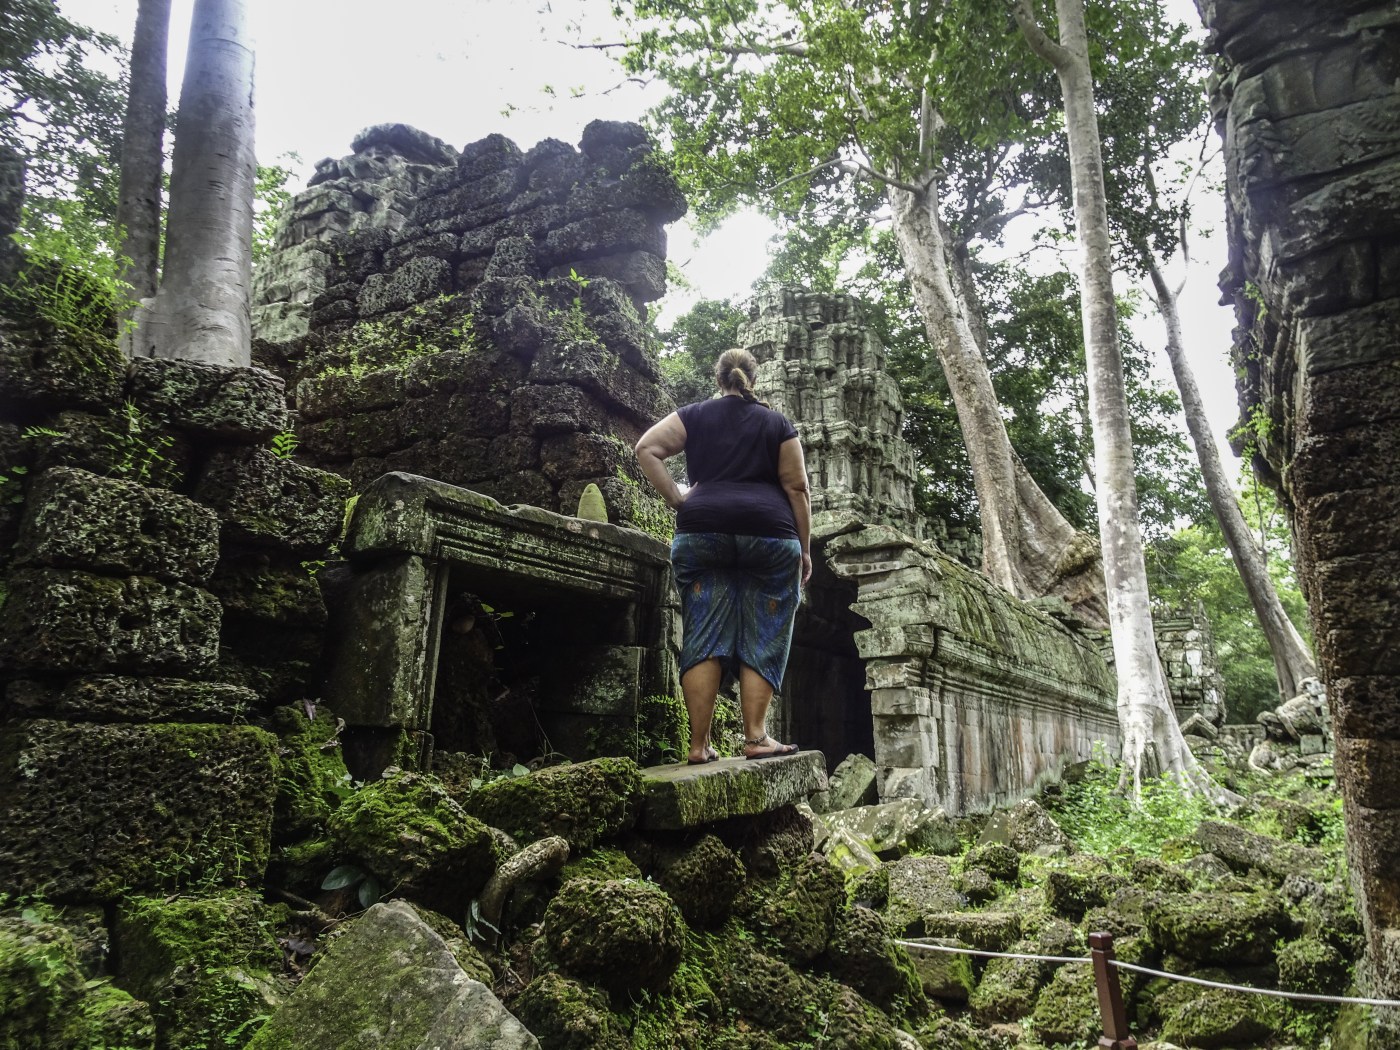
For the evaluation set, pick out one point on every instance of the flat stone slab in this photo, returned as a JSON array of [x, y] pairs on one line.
[[683, 796]]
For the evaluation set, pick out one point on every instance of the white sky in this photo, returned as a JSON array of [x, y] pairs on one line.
[[327, 68]]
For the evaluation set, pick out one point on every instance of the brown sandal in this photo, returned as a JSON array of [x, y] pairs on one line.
[[776, 748]]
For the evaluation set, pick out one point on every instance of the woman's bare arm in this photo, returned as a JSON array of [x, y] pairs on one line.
[[664, 440], [792, 474]]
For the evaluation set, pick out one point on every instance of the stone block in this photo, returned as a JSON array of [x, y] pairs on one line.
[[985, 930], [390, 981], [910, 640], [851, 784], [385, 611], [129, 445], [945, 976], [557, 409], [92, 812], [906, 702], [581, 455], [114, 698], [611, 233], [433, 246], [60, 370], [598, 369], [276, 661], [56, 620], [584, 803], [641, 273], [416, 281], [681, 796], [269, 501], [524, 488], [884, 827], [247, 586], [235, 404], [338, 394], [77, 520]]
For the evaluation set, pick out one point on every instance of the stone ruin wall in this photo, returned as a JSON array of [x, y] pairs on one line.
[[1305, 101], [494, 338], [1186, 646], [159, 614]]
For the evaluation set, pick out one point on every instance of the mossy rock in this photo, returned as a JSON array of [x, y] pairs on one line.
[[623, 935], [976, 885], [313, 776], [1007, 990], [863, 955], [663, 730], [205, 964], [1078, 884], [797, 911], [945, 976], [585, 803], [459, 944], [1215, 1017], [566, 1015], [1067, 1010], [409, 833], [1150, 873], [1225, 928], [987, 930], [997, 859], [600, 864], [704, 880], [1312, 965], [47, 1003]]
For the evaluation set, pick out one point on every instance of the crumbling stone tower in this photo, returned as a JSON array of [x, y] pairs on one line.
[[822, 366], [493, 340]]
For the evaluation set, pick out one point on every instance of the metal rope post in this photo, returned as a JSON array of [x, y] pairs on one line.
[[1111, 1009]]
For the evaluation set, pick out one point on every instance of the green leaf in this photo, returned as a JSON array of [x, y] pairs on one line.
[[369, 892], [342, 876], [519, 770]]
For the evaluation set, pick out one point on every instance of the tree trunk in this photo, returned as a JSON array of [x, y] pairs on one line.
[[1292, 660], [202, 311], [143, 159], [1028, 547], [1151, 735]]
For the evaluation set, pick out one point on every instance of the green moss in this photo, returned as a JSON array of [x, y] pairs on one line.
[[623, 935], [862, 954], [1067, 1011], [1312, 965], [1007, 990], [408, 832], [585, 803], [663, 730], [312, 778], [1213, 1017], [204, 964], [459, 945], [997, 859], [566, 1015], [796, 912], [1229, 928], [600, 864]]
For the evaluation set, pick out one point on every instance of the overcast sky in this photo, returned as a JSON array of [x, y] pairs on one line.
[[463, 69]]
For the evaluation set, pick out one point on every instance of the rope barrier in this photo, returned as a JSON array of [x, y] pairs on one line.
[[1306, 996]]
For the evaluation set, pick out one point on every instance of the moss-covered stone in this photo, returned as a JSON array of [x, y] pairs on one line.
[[585, 803], [60, 368], [663, 727], [235, 404], [622, 935], [862, 954], [1214, 1017], [459, 944], [77, 520], [997, 859], [1227, 928], [797, 910], [64, 620], [566, 1015], [1312, 965], [1067, 1011], [946, 976], [205, 964], [91, 811], [976, 885], [1077, 884], [312, 775], [1007, 989], [600, 864], [122, 698], [704, 880], [250, 588], [409, 833], [987, 930], [47, 1002], [264, 500], [918, 886]]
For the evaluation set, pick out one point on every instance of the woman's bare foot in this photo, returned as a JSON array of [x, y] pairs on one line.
[[766, 747]]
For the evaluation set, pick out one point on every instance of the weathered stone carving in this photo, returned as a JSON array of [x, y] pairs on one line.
[[1305, 101], [1187, 650], [596, 609], [821, 365], [975, 695]]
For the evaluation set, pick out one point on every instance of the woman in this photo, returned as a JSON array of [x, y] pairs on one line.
[[741, 552]]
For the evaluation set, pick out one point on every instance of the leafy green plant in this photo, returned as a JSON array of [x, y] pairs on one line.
[[284, 445], [136, 444], [66, 282], [1100, 819], [490, 777], [475, 922], [12, 486], [345, 876]]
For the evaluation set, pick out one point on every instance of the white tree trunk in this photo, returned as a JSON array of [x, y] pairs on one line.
[[1292, 660], [202, 311], [1151, 735], [143, 157], [1028, 547]]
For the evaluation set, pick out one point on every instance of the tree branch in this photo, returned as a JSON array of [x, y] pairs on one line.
[[1036, 37]]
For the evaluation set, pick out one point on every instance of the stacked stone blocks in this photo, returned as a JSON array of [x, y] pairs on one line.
[[150, 547]]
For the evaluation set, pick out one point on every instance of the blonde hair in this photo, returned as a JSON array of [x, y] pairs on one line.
[[738, 370]]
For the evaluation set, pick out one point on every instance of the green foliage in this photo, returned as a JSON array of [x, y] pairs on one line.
[[270, 199], [70, 277], [284, 445], [137, 444], [692, 345], [62, 104], [346, 876], [1100, 819], [396, 341], [1194, 564]]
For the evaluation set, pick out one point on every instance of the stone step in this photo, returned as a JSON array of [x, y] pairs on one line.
[[684, 796]]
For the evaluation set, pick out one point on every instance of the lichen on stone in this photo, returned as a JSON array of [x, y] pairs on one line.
[[623, 935]]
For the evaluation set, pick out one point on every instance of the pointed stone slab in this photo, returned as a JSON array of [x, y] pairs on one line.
[[684, 796]]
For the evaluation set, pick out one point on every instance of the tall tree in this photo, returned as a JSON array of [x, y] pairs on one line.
[[143, 156], [202, 310], [1151, 735]]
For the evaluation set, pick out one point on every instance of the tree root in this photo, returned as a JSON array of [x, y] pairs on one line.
[[537, 860]]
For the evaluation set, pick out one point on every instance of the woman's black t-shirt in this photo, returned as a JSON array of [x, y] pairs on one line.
[[731, 456]]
